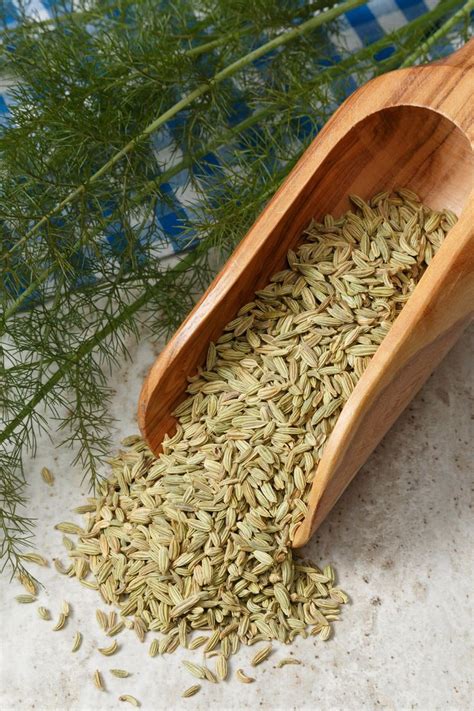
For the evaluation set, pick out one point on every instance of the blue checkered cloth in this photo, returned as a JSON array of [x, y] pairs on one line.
[[361, 26]]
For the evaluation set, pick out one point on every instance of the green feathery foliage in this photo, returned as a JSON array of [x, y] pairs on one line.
[[94, 90]]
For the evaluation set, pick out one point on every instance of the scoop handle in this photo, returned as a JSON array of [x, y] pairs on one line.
[[445, 86], [463, 58], [455, 101]]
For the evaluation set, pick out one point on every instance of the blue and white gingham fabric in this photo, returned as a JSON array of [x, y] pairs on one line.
[[361, 26]]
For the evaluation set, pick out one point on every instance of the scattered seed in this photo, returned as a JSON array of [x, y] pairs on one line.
[[47, 476], [222, 668], [28, 583], [195, 669], [108, 651], [35, 558], [286, 661], [77, 641], [325, 633], [210, 676], [261, 655], [60, 623], [197, 642], [120, 673], [67, 527], [116, 629], [86, 508], [68, 544], [213, 641], [130, 699], [102, 619], [60, 567], [44, 613], [242, 676], [154, 648], [98, 680], [191, 691], [25, 599]]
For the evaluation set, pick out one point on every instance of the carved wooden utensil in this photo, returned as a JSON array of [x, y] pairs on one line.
[[411, 128]]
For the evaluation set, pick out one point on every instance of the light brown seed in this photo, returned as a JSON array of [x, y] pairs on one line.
[[195, 669], [25, 599], [197, 642], [47, 476], [60, 623], [213, 641], [116, 629], [286, 661], [242, 676], [68, 527], [120, 673], [154, 648], [77, 641], [28, 583], [191, 691], [102, 619], [108, 651], [222, 668], [129, 699], [98, 680], [35, 558], [261, 655]]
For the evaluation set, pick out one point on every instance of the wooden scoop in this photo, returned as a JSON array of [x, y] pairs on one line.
[[411, 128]]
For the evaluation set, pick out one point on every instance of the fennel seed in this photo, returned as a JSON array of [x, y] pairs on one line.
[[108, 651], [242, 676], [47, 476], [191, 691], [261, 655], [98, 680], [77, 641], [25, 599]]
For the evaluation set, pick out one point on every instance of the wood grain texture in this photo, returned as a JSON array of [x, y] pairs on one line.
[[411, 128]]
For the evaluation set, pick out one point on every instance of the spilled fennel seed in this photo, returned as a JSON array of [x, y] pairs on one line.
[[102, 619], [47, 476], [98, 680], [77, 641], [243, 677], [261, 655], [60, 623], [34, 558], [28, 583], [108, 651], [201, 534], [191, 691], [287, 661], [25, 599]]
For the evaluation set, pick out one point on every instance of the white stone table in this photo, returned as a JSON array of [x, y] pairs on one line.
[[401, 540]]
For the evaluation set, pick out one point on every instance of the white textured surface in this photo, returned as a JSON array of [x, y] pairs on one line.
[[401, 539]]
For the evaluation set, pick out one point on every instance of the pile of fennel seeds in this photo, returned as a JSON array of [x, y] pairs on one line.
[[199, 537]]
